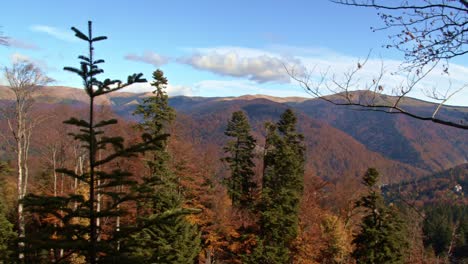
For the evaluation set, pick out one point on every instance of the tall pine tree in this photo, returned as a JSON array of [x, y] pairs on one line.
[[71, 221], [283, 181], [166, 237], [241, 185], [382, 237]]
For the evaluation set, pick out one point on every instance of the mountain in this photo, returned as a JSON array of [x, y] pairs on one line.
[[419, 143], [339, 140], [331, 153]]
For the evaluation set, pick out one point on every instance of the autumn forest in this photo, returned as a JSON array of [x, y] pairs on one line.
[[98, 175]]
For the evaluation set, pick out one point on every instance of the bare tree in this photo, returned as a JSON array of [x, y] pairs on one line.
[[24, 79], [430, 33]]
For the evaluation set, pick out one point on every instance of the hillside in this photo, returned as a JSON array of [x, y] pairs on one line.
[[448, 186], [339, 140]]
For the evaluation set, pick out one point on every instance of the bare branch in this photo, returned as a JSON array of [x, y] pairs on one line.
[[429, 32], [347, 91]]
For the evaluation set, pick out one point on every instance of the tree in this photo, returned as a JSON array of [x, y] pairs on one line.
[[381, 238], [72, 218], [241, 185], [166, 236], [7, 235], [429, 33], [445, 229], [335, 236], [283, 180], [24, 80]]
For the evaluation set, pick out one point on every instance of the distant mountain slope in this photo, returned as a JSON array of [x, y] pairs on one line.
[[423, 144], [331, 153], [340, 140]]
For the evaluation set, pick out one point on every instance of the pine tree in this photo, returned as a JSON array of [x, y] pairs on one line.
[[70, 225], [283, 180], [241, 185], [167, 236], [382, 237]]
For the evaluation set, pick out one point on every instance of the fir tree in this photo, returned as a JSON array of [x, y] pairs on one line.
[[167, 236], [241, 185], [282, 189], [382, 237], [71, 227]]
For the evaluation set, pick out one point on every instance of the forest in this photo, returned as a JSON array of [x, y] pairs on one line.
[[91, 183]]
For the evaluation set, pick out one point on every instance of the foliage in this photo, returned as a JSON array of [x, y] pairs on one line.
[[283, 180], [446, 231], [382, 236], [336, 248], [166, 236], [241, 185], [69, 223], [7, 235]]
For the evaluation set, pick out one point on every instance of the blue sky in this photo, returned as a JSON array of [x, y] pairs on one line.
[[205, 48]]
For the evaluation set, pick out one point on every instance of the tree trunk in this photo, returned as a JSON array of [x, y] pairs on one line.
[[54, 165], [21, 225], [208, 256]]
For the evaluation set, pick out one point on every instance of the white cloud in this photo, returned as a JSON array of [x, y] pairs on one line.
[[242, 87], [149, 57], [55, 32], [172, 90], [260, 66], [256, 65], [18, 57], [16, 43]]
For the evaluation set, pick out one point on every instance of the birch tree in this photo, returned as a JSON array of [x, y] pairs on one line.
[[24, 80]]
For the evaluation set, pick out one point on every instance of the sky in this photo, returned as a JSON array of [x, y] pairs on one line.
[[212, 48]]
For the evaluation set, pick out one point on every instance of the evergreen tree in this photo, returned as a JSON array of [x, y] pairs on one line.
[[241, 185], [445, 229], [70, 225], [283, 180], [7, 235], [382, 237], [166, 236]]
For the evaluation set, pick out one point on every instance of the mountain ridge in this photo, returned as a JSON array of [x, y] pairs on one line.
[[398, 144]]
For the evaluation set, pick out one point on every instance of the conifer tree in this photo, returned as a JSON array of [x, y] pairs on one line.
[[7, 235], [283, 180], [241, 185], [166, 237], [72, 219], [381, 239]]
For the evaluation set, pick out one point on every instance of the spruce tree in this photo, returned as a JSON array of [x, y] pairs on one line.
[[166, 236], [382, 237], [283, 180], [241, 185], [71, 227]]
